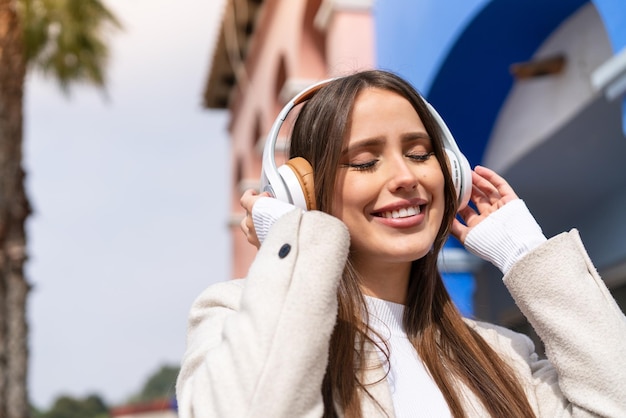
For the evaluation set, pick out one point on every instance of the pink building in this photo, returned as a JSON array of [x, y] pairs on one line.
[[267, 51]]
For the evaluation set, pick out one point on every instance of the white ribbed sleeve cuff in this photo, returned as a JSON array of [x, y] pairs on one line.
[[505, 236], [265, 212]]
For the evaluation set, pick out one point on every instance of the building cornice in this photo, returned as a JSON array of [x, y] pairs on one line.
[[329, 7], [230, 51]]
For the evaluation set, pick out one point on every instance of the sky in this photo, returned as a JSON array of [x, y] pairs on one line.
[[130, 197]]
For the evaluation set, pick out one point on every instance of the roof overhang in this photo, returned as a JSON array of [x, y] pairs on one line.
[[233, 41]]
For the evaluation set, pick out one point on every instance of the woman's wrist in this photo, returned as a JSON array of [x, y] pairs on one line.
[[266, 212], [505, 236]]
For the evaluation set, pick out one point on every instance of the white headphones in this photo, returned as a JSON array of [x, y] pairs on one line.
[[293, 181]]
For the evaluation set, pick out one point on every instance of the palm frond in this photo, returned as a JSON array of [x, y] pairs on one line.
[[66, 39]]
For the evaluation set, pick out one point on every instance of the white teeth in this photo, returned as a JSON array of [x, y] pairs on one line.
[[402, 213]]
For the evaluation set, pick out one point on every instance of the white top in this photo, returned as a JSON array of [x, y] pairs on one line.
[[413, 391]]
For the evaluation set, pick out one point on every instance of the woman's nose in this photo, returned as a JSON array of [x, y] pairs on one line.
[[401, 176]]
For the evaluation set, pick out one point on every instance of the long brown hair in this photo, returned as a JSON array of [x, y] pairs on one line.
[[450, 349]]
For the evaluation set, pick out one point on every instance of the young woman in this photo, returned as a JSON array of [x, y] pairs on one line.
[[344, 313]]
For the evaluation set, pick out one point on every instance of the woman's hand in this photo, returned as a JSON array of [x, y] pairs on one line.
[[247, 201], [489, 193]]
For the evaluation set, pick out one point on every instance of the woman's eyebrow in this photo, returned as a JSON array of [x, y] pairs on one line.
[[378, 141], [363, 143], [415, 136]]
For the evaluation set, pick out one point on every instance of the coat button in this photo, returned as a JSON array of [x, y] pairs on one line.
[[284, 250]]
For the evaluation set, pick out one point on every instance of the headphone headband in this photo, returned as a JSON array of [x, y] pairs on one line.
[[287, 190], [269, 174]]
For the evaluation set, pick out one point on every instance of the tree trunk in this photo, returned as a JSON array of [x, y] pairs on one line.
[[14, 209]]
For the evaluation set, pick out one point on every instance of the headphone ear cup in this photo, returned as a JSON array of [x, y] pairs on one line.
[[461, 173], [298, 175]]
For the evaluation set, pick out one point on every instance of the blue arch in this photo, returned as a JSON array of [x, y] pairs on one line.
[[473, 81], [458, 52]]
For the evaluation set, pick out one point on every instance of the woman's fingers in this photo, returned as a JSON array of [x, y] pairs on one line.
[[468, 214], [247, 201], [493, 185], [489, 190], [489, 193], [459, 231], [247, 226]]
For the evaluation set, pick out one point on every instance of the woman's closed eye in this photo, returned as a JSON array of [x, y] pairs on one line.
[[361, 166], [371, 164], [420, 157]]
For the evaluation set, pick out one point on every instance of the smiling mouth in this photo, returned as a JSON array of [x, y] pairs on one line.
[[400, 213]]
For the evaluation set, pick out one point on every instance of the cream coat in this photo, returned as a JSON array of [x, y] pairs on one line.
[[258, 347]]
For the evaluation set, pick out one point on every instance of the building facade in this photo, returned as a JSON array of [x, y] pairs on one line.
[[267, 51]]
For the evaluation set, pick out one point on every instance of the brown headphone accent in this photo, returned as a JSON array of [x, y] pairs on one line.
[[304, 172]]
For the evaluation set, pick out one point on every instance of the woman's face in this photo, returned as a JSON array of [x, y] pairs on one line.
[[389, 187]]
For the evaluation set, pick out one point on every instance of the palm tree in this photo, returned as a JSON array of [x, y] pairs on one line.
[[65, 40]]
